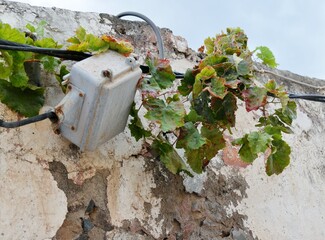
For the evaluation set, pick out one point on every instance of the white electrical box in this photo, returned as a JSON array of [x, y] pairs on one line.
[[100, 93]]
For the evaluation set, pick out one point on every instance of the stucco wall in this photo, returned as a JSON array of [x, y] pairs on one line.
[[49, 189]]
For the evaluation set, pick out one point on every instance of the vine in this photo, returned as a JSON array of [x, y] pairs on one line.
[[192, 115], [212, 90], [16, 90]]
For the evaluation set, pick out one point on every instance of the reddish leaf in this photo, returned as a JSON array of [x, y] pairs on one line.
[[120, 46], [255, 97]]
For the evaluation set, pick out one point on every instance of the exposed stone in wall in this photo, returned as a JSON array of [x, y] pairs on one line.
[[49, 189]]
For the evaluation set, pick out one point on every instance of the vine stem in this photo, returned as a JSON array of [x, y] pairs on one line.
[[168, 92], [264, 111]]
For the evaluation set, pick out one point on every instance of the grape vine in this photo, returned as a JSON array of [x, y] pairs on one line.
[[194, 115]]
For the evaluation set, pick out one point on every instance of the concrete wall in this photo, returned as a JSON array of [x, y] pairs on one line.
[[50, 190]]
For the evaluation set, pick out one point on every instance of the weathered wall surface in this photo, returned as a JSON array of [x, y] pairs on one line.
[[50, 190]]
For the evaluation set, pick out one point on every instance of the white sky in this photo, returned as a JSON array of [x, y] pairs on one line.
[[293, 29]]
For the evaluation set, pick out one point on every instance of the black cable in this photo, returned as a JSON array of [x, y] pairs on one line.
[[51, 115], [310, 97], [179, 75], [65, 54]]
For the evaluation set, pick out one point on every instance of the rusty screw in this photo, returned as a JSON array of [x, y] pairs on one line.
[[106, 73], [72, 128], [57, 131]]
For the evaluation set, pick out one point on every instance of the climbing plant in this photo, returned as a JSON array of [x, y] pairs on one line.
[[195, 114], [192, 115]]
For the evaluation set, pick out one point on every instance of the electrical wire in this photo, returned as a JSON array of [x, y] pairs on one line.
[[310, 97], [179, 75], [51, 115], [153, 26], [65, 54]]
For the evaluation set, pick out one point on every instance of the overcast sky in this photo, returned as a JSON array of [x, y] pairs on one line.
[[293, 29]]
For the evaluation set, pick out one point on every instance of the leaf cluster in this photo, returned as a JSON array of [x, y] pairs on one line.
[[86, 42], [15, 89], [194, 114]]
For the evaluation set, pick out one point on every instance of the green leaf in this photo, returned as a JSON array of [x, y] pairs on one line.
[[50, 64], [288, 113], [26, 101], [31, 28], [224, 110], [199, 158], [84, 42], [213, 60], [98, 45], [11, 62], [195, 158], [190, 137], [11, 34], [59, 76], [242, 66], [274, 121], [161, 71], [214, 140], [187, 83], [6, 64], [255, 97], [279, 158], [206, 73], [149, 87], [252, 144], [218, 88], [266, 55], [197, 88], [271, 86], [278, 92], [18, 76], [169, 116], [214, 136], [169, 156], [245, 152], [136, 127], [259, 141], [201, 105], [220, 111], [209, 45], [47, 43], [80, 35], [193, 117], [275, 131]]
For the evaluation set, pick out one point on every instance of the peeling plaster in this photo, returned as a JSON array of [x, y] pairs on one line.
[[130, 189], [32, 206]]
